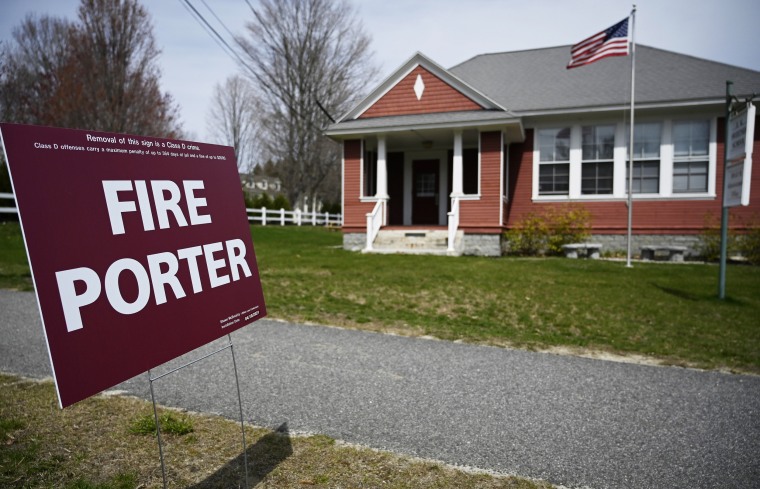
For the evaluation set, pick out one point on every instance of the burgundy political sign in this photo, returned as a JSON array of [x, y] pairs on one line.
[[139, 247]]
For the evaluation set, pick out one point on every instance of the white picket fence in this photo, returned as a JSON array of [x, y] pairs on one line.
[[261, 216], [282, 217], [4, 207]]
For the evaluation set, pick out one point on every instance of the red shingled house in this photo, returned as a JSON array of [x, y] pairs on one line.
[[445, 160]]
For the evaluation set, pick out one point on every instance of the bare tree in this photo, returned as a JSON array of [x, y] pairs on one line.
[[308, 58], [98, 73], [31, 68], [234, 121]]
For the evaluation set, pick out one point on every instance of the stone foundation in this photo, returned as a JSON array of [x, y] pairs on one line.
[[482, 244], [474, 244], [492, 245], [619, 242], [354, 241]]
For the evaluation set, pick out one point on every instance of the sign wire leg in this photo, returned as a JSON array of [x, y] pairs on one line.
[[158, 430], [240, 406]]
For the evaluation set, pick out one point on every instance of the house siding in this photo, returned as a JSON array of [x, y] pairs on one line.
[[482, 215], [355, 211], [651, 217], [520, 190], [437, 97]]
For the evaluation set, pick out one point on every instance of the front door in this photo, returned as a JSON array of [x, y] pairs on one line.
[[425, 179]]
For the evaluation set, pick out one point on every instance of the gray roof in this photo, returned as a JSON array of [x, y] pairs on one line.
[[537, 80]]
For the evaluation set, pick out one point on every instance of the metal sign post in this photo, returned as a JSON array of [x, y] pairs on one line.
[[724, 212], [737, 168], [152, 379]]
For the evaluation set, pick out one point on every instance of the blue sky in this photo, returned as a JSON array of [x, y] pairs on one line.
[[447, 31]]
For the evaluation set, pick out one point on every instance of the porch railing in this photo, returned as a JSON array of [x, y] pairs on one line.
[[453, 222], [374, 222]]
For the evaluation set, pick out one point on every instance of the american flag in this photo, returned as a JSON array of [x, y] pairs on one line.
[[609, 42]]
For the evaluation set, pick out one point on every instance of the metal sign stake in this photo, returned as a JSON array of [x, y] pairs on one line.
[[152, 379], [158, 429], [240, 406]]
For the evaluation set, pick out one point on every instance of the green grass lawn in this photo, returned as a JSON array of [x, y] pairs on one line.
[[666, 311], [14, 269], [656, 309]]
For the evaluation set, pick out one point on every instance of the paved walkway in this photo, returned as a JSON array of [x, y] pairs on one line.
[[572, 421]]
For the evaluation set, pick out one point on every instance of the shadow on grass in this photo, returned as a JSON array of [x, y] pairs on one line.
[[263, 457], [681, 294], [690, 296]]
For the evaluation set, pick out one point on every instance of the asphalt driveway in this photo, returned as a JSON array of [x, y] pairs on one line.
[[572, 421]]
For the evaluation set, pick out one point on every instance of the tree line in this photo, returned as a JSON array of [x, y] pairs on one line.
[[99, 72]]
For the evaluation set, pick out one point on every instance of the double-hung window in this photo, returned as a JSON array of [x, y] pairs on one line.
[[554, 161], [646, 158], [672, 159], [691, 140], [597, 167]]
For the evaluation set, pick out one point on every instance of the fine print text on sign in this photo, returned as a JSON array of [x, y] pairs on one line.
[[741, 130], [737, 133], [735, 184], [139, 247]]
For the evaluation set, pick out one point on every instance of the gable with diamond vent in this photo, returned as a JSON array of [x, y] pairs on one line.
[[420, 92], [421, 86]]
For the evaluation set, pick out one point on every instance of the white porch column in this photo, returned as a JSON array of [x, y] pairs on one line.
[[382, 169], [456, 178]]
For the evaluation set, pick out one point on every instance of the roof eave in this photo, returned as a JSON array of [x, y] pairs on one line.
[[619, 107], [482, 125]]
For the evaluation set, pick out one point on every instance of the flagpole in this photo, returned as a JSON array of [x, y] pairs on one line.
[[630, 141]]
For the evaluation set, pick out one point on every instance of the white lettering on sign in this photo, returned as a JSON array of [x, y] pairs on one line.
[[113, 292], [739, 145], [734, 184], [194, 202], [73, 302], [737, 135], [161, 273], [741, 128], [166, 198], [224, 261]]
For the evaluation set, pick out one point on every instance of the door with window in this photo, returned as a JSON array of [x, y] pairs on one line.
[[425, 180]]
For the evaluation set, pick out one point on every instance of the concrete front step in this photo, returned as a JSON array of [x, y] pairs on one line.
[[429, 242]]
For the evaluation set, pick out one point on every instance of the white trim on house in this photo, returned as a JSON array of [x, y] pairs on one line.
[[443, 196], [502, 121], [620, 161], [409, 157], [480, 163], [343, 183], [477, 195], [505, 172], [501, 178], [362, 197], [707, 104]]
